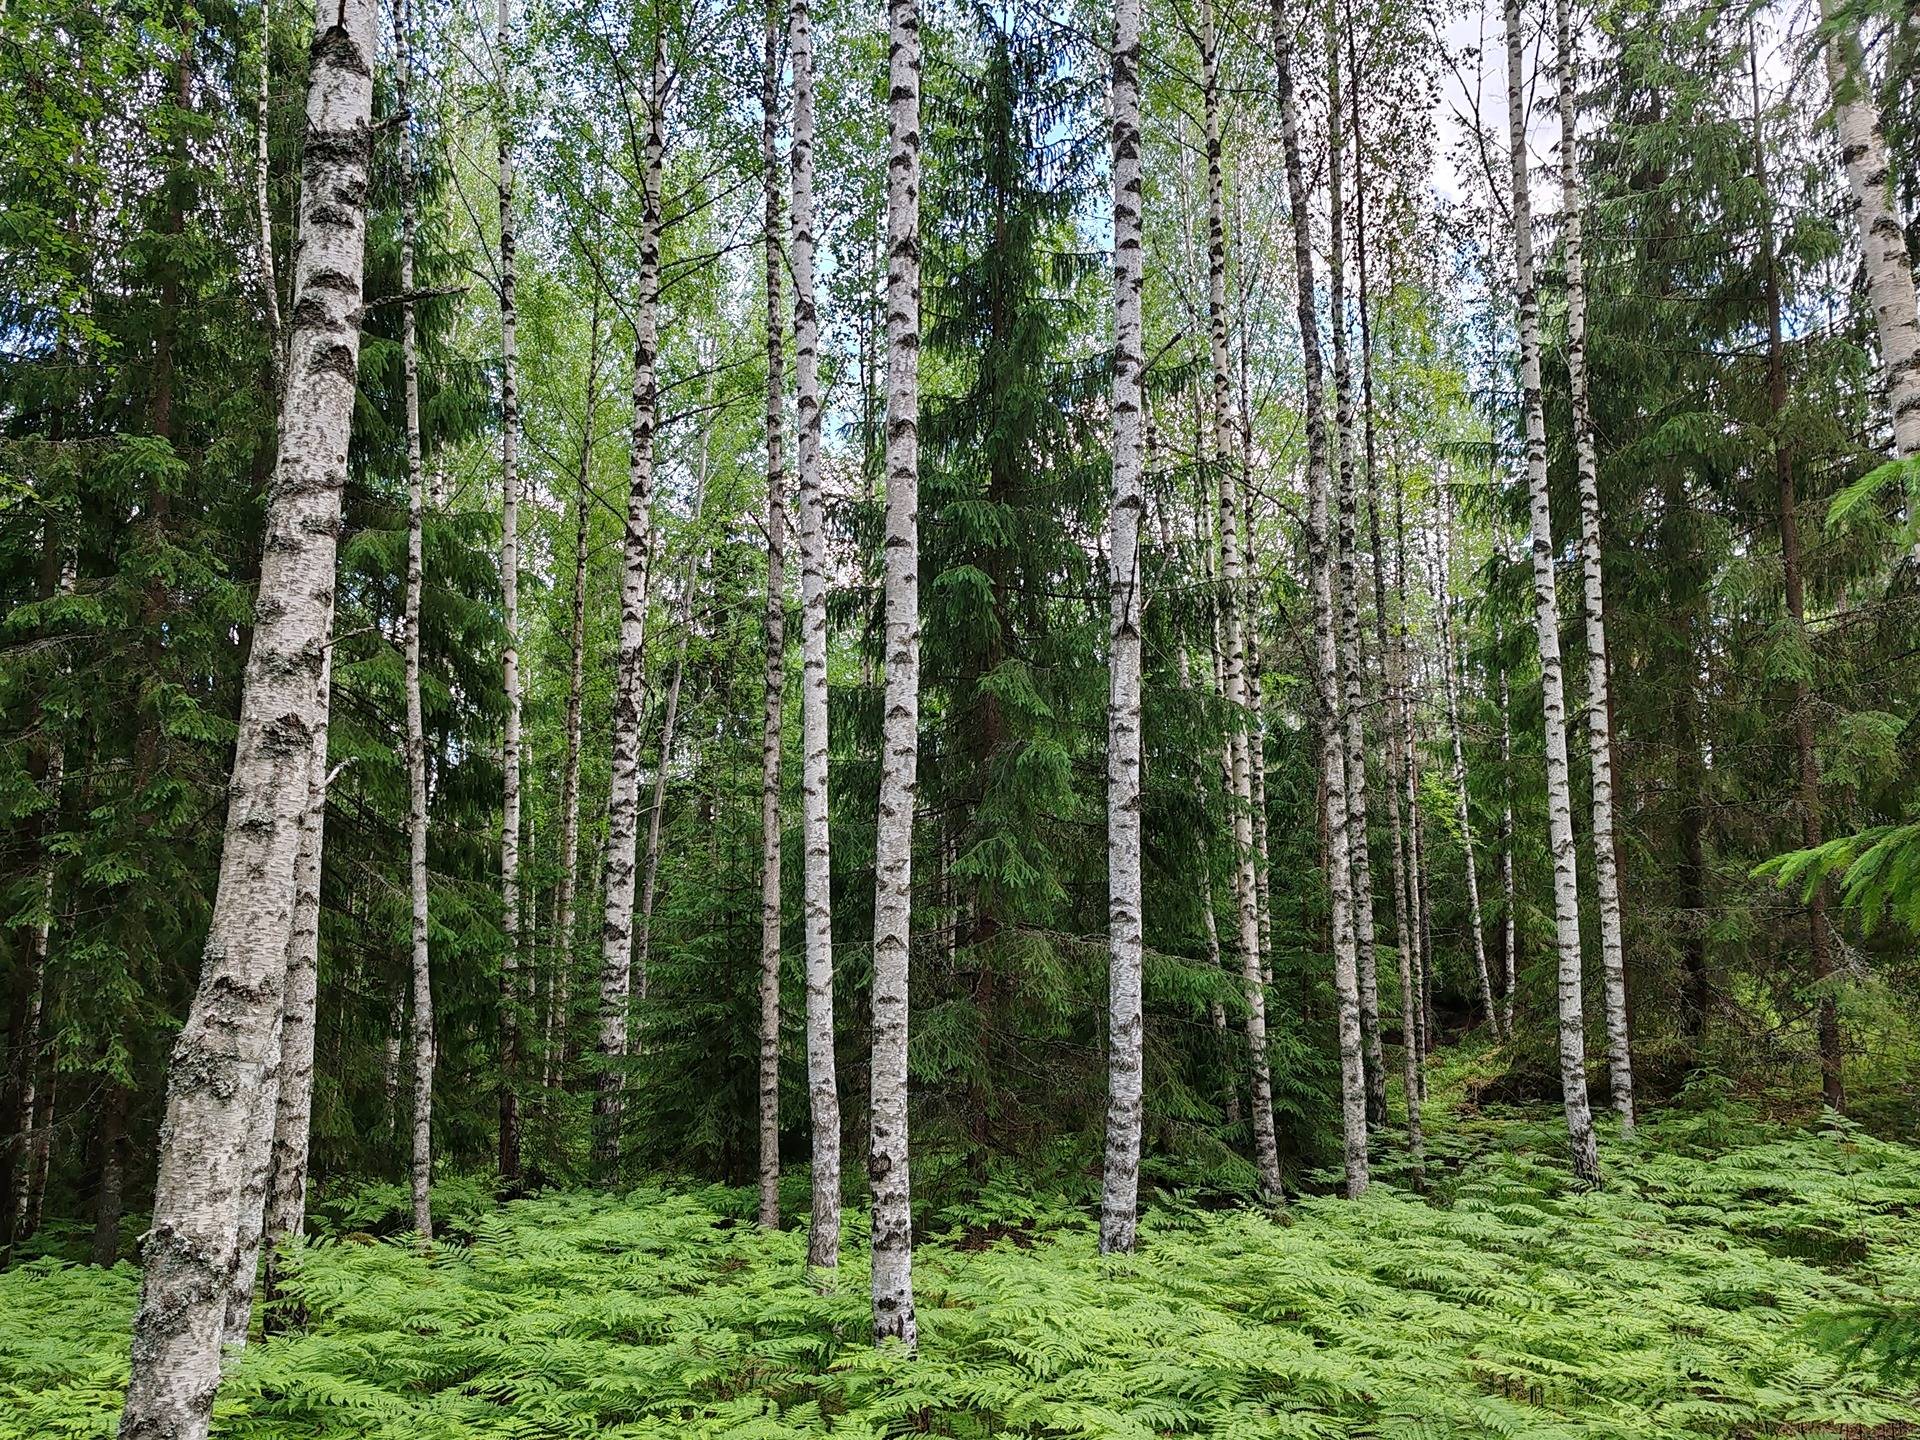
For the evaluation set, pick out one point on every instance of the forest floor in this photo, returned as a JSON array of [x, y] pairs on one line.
[[1736, 1276]]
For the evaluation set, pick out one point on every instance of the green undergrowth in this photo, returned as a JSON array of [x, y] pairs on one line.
[[1733, 1278]]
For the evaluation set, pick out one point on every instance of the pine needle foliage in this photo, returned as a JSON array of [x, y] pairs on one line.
[[1732, 1279]]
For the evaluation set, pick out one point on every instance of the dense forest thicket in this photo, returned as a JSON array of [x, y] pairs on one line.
[[976, 636]]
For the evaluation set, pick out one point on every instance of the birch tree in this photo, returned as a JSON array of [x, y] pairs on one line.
[[510, 616], [893, 1313], [1353, 1100], [1231, 593], [1890, 289], [1120, 1189], [1450, 688], [1599, 702], [823, 1094], [1352, 706], [222, 1055], [623, 801], [1546, 610], [775, 686]]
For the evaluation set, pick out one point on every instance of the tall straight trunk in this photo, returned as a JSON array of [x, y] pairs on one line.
[[420, 1168], [1352, 664], [1863, 154], [510, 999], [1509, 920], [1792, 566], [775, 688], [1450, 687], [823, 1092], [623, 800], [1120, 1187], [110, 1199], [284, 1194], [1546, 609], [1346, 976], [566, 898], [1417, 932], [262, 201], [222, 1056], [1599, 705], [1256, 729], [1389, 653], [893, 1315], [1231, 592], [29, 1147]]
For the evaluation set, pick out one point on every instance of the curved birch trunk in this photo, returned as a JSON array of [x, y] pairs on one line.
[[775, 683], [623, 800], [823, 1093], [1346, 977], [1120, 1187], [893, 1314], [1352, 709], [510, 1001], [1606, 871], [224, 1054], [1546, 611], [1266, 1151]]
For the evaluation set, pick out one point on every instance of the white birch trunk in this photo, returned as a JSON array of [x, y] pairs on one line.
[[510, 1000], [1507, 895], [1353, 1101], [1120, 1187], [775, 683], [1450, 688], [1599, 702], [1863, 154], [262, 201], [566, 900], [420, 1168], [623, 801], [1266, 1151], [223, 1056], [1546, 606], [823, 1093], [1352, 661], [893, 1311]]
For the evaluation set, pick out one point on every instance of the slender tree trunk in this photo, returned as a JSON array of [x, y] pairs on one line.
[[1417, 933], [1231, 591], [1510, 919], [224, 1053], [1863, 154], [262, 198], [1120, 1189], [1390, 682], [1346, 977], [623, 802], [566, 900], [510, 998], [823, 1093], [776, 636], [111, 1199], [285, 1199], [893, 1313], [1832, 1075], [1599, 707], [1450, 687], [420, 1170], [1546, 605], [1352, 663]]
